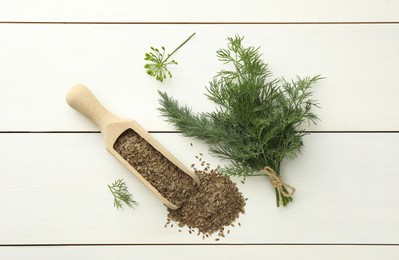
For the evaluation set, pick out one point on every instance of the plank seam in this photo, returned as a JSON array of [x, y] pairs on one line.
[[179, 132], [200, 244], [201, 23]]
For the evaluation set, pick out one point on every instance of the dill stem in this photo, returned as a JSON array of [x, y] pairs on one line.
[[181, 45], [112, 190]]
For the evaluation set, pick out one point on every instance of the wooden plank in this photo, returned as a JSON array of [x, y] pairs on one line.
[[201, 252], [53, 189], [199, 11], [40, 63]]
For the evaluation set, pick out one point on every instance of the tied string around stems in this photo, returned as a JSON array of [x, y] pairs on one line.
[[278, 183]]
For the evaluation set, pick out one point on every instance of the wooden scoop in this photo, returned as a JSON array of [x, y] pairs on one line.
[[81, 99]]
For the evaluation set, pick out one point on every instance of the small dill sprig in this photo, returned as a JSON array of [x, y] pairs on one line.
[[119, 190], [158, 61]]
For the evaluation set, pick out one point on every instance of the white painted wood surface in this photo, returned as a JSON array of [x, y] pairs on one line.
[[250, 252], [200, 11], [45, 61], [51, 197], [346, 193]]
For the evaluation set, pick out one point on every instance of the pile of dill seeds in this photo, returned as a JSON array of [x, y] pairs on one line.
[[173, 184], [215, 205], [205, 209]]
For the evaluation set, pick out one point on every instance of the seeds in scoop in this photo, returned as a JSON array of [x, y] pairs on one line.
[[171, 182]]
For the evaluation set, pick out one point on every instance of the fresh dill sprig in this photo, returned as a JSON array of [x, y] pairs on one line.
[[121, 195], [259, 121], [158, 66]]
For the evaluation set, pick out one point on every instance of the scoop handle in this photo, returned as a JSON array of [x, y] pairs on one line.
[[82, 100]]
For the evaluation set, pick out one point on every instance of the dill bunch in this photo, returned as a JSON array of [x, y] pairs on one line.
[[258, 119]]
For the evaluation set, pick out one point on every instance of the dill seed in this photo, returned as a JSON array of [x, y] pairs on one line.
[[215, 203], [217, 239], [239, 224], [208, 207], [201, 154], [163, 175], [179, 230]]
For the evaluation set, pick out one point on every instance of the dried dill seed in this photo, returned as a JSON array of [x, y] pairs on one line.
[[196, 157], [192, 165], [201, 154], [171, 182], [214, 204], [228, 231], [239, 224], [191, 144], [171, 226], [217, 239], [232, 225], [242, 182], [179, 230]]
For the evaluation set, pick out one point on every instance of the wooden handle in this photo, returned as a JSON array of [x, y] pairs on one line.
[[82, 100]]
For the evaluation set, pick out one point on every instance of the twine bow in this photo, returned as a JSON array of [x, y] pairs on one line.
[[278, 183]]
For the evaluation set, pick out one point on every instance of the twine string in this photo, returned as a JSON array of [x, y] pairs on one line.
[[278, 183]]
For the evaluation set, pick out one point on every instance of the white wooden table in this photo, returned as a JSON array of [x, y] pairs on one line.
[[54, 170]]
